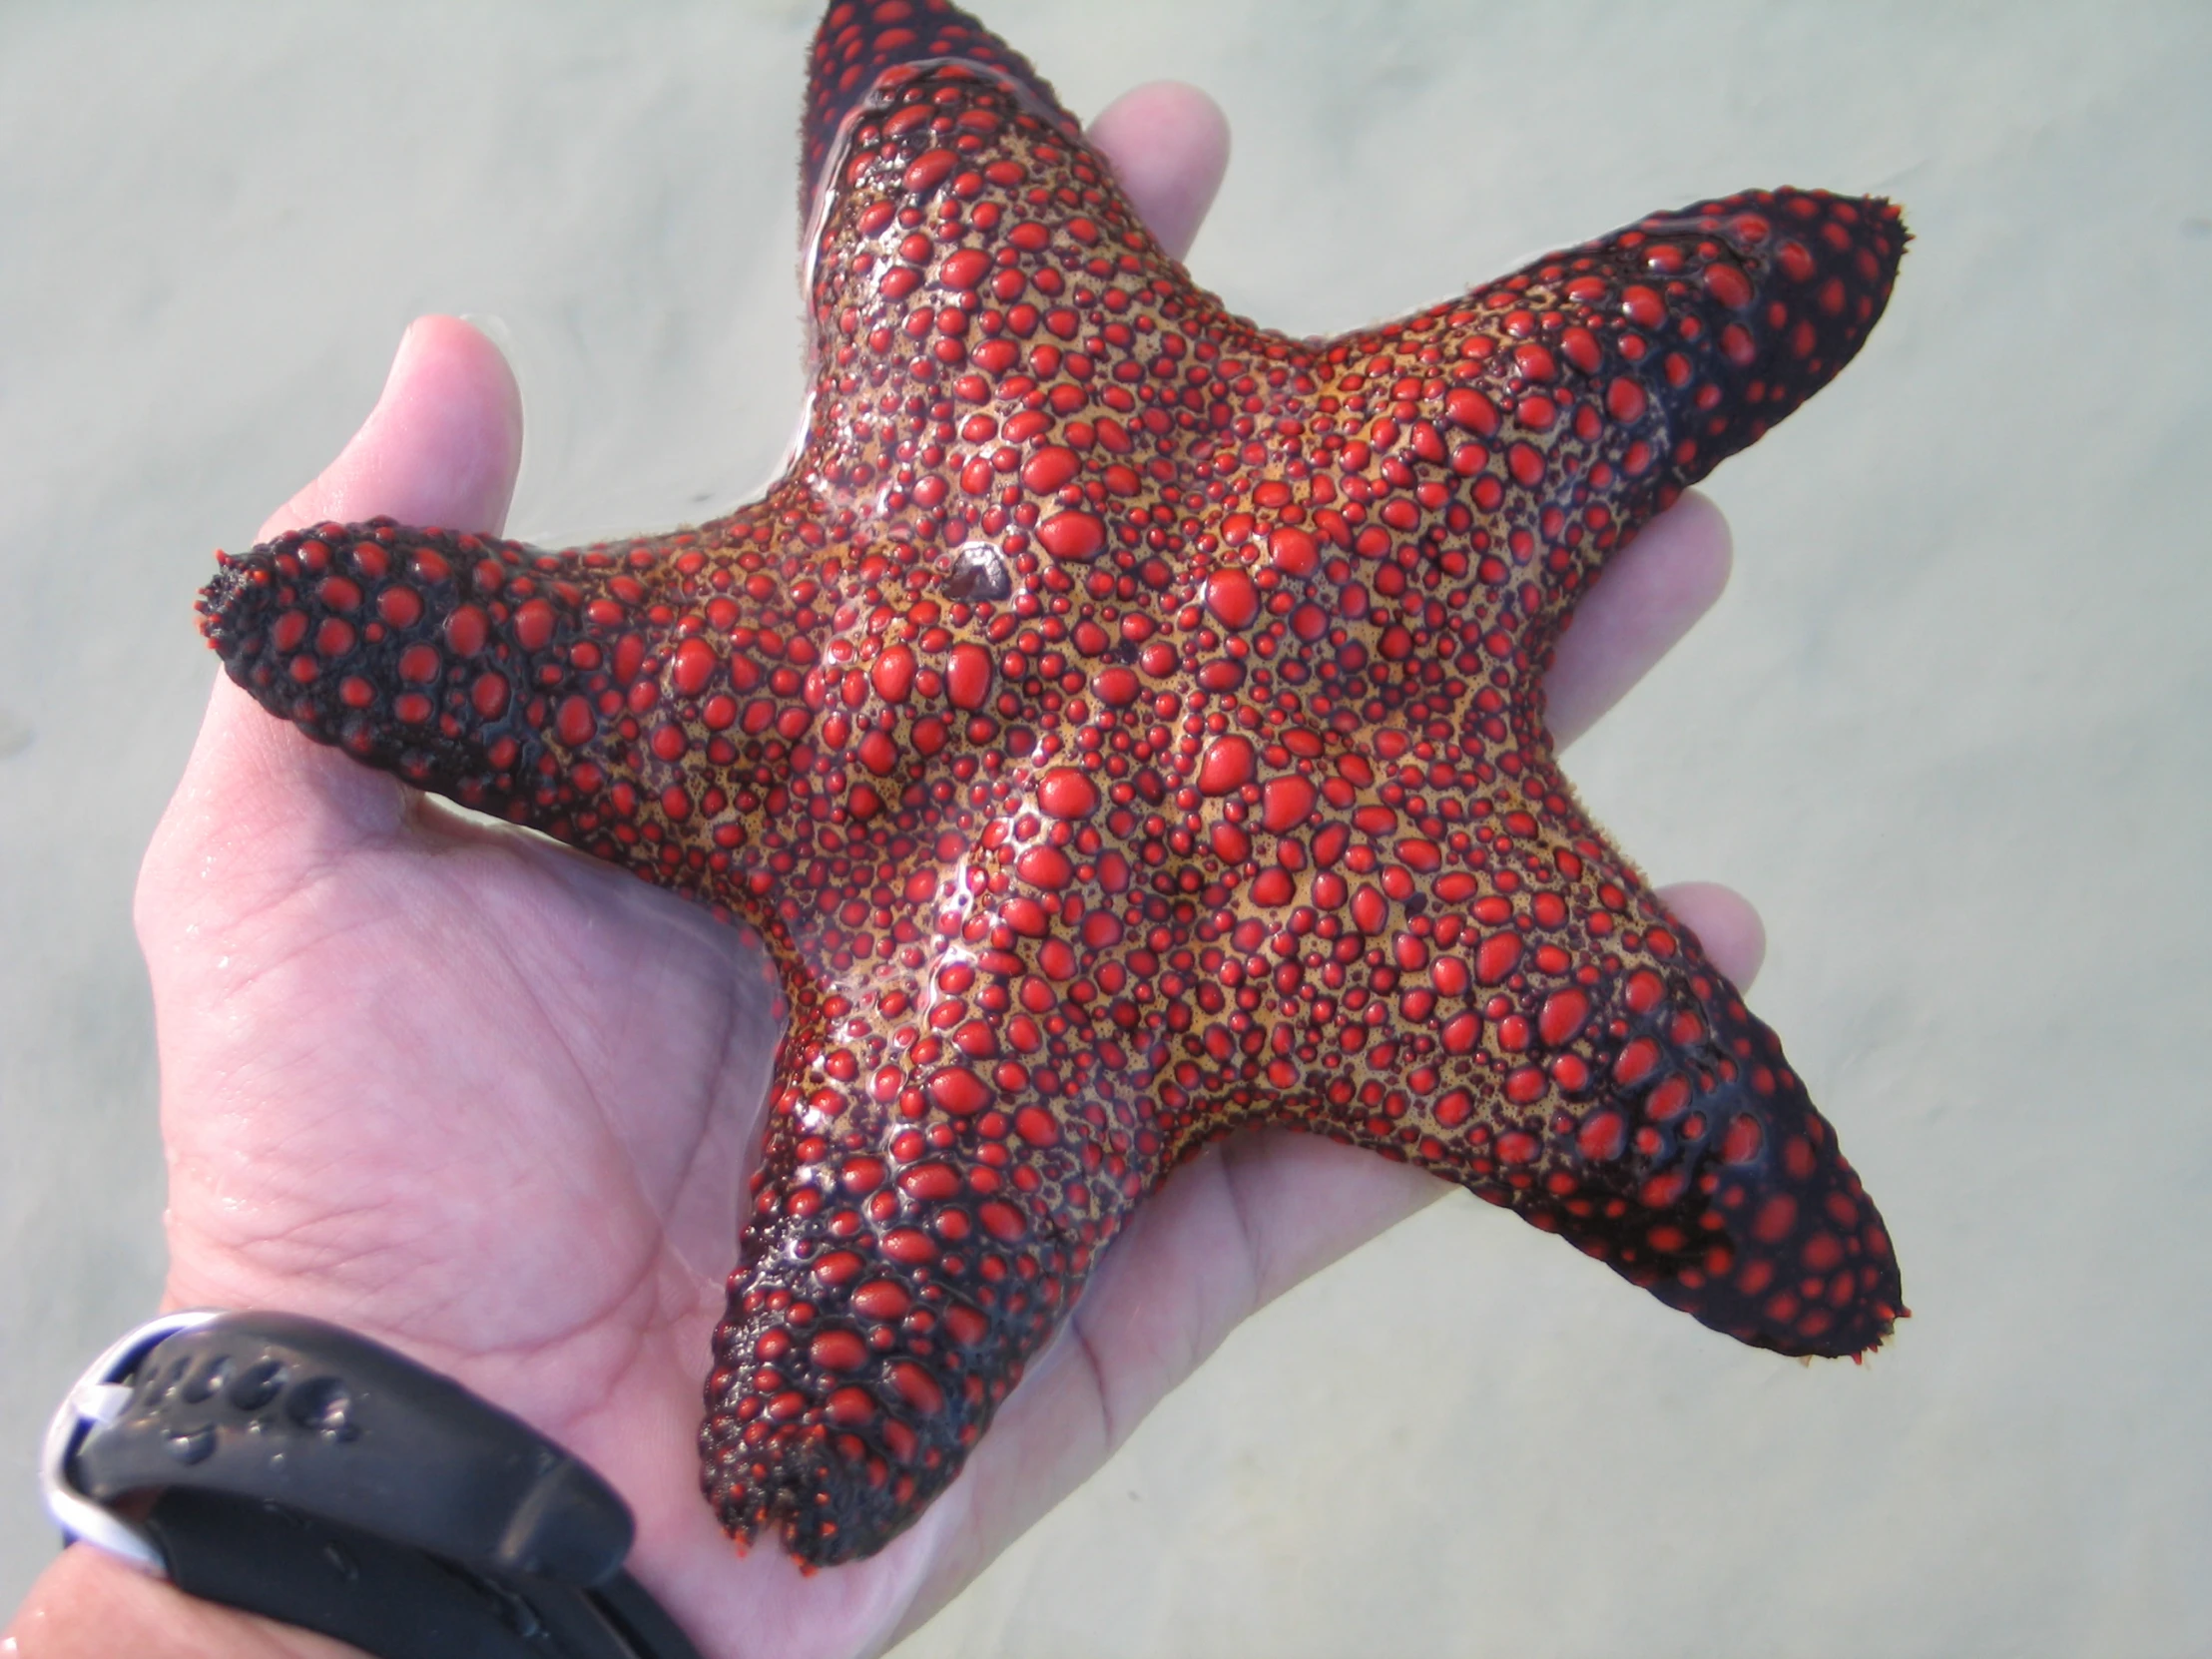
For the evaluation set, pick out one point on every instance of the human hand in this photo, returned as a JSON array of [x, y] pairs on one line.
[[477, 1096]]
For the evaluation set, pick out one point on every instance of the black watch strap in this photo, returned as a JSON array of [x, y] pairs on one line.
[[291, 1468]]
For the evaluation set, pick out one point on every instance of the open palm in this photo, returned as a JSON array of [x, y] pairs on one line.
[[468, 1092]]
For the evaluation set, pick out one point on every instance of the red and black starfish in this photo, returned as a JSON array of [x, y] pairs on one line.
[[1125, 725]]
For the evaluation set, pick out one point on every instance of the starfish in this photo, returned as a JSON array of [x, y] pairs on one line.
[[1125, 725]]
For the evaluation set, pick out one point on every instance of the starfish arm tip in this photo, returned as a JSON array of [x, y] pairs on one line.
[[861, 46]]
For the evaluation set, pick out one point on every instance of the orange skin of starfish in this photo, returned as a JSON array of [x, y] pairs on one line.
[[1125, 726]]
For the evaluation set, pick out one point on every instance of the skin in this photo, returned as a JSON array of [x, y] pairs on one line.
[[403, 1052]]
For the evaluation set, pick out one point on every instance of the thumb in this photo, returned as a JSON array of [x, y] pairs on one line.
[[259, 803], [441, 446]]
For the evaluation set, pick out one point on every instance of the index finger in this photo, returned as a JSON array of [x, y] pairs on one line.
[[441, 446]]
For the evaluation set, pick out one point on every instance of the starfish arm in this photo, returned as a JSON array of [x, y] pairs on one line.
[[638, 700], [1531, 427], [963, 1112], [950, 1149], [863, 46], [1006, 362], [1442, 961]]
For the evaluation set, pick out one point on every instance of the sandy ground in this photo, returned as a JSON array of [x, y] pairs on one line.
[[1949, 728]]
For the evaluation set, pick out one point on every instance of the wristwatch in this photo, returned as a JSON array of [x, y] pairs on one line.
[[294, 1470]]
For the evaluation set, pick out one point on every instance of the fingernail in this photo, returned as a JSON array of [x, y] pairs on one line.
[[393, 374], [493, 327]]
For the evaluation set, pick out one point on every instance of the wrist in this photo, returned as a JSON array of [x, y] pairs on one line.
[[88, 1605], [290, 1467]]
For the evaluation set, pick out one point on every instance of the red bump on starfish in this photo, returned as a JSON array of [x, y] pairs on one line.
[[1126, 725]]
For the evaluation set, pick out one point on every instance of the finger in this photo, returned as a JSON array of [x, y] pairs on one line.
[[1651, 594], [1725, 923], [441, 446], [1169, 144]]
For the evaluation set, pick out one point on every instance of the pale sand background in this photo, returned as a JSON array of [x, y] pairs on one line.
[[1949, 728]]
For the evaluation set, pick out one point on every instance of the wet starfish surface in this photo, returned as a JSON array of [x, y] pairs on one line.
[[1125, 725]]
